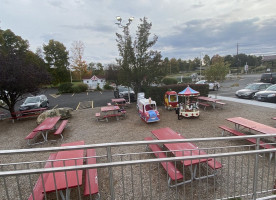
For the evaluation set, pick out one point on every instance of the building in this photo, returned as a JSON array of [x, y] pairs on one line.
[[94, 81]]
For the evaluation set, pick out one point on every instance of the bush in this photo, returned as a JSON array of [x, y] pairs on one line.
[[169, 81], [98, 87], [80, 87], [157, 93], [65, 88], [108, 87]]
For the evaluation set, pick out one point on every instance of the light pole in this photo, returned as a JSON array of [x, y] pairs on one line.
[[126, 35], [119, 23]]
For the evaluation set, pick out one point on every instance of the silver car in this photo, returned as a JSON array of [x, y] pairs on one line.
[[35, 102]]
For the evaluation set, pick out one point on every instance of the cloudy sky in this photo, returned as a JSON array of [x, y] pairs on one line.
[[185, 28]]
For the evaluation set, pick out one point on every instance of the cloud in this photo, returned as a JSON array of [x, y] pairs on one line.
[[215, 35]]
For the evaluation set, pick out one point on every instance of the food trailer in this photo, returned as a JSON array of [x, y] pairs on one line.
[[171, 100], [148, 110], [188, 108]]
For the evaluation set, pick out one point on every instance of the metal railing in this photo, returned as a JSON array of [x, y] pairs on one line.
[[129, 170]]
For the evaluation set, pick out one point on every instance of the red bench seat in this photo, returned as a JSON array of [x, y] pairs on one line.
[[171, 169], [252, 140], [61, 127], [38, 190], [91, 177]]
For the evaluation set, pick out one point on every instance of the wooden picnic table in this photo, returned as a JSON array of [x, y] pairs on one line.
[[47, 125], [252, 125], [179, 149], [69, 179], [120, 100], [27, 113], [110, 111], [182, 149], [210, 100]]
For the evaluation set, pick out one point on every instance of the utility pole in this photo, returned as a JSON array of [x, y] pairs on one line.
[[237, 57]]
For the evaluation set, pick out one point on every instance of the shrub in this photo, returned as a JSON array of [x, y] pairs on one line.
[[157, 93], [107, 87], [169, 81], [65, 88], [80, 87], [98, 87]]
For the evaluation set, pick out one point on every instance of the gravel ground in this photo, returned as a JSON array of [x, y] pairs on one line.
[[83, 126]]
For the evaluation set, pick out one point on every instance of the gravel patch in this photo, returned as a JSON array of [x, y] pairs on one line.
[[83, 126]]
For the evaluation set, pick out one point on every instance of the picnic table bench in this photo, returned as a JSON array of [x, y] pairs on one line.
[[173, 172], [204, 101], [204, 104], [47, 125], [109, 112], [39, 188], [27, 113], [91, 176], [187, 149], [252, 140]]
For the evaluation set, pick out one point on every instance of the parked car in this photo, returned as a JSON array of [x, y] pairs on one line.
[[122, 92], [250, 90], [35, 102], [212, 86], [267, 95], [268, 78]]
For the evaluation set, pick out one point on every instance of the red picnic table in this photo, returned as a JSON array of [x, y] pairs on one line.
[[252, 125], [69, 179], [119, 102], [211, 100], [181, 149], [110, 111], [47, 125]]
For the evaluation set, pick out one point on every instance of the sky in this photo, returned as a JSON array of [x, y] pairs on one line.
[[186, 29]]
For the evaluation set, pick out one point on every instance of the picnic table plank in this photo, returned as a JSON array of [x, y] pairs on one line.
[[179, 149], [73, 178], [262, 128]]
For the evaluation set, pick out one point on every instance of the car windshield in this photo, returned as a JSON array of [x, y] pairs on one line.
[[32, 100], [253, 86], [271, 88]]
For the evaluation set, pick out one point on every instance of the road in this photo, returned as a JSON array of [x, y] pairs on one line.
[[234, 83]]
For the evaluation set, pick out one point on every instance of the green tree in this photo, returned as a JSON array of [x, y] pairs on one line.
[[139, 65], [21, 71], [56, 57], [217, 71], [206, 60]]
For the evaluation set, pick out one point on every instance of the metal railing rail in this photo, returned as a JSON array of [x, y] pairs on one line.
[[263, 172]]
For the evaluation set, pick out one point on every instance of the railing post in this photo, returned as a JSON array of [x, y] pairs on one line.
[[109, 159], [256, 169]]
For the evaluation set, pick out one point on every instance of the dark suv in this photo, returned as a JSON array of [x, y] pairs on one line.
[[268, 78]]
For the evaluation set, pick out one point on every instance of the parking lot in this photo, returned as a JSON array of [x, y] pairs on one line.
[[97, 98]]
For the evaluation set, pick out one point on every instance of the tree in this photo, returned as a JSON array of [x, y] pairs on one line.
[[20, 70], [111, 73], [56, 57], [78, 63], [217, 71], [138, 64], [206, 60]]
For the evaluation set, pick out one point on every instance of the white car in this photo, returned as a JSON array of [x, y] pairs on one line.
[[212, 86]]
